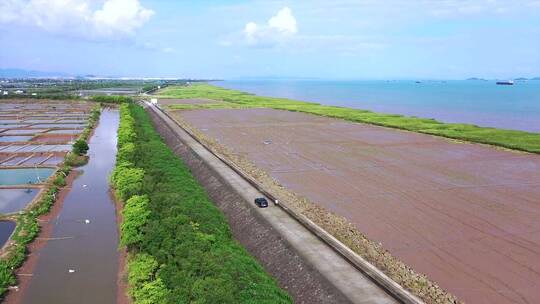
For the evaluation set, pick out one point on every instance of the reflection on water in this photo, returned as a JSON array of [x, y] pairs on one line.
[[6, 229], [14, 200], [90, 249], [24, 176]]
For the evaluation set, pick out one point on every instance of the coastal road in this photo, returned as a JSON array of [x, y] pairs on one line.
[[353, 284]]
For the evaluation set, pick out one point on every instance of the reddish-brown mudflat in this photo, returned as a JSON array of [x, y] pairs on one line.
[[54, 138], [467, 215]]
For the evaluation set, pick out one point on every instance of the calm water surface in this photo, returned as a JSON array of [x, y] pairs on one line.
[[6, 229], [14, 200], [478, 102], [91, 249]]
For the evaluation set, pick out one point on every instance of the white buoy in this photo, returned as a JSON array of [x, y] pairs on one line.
[[71, 270], [87, 221]]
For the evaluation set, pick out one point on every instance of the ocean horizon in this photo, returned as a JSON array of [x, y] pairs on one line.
[[478, 102]]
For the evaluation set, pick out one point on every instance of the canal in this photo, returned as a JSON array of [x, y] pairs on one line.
[[80, 262]]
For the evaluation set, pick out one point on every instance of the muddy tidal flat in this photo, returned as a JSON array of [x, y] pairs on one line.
[[466, 215]]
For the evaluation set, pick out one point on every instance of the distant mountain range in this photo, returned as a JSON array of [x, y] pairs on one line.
[[477, 79], [21, 73]]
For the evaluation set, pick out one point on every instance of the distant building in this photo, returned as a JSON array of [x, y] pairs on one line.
[[5, 93], [153, 101], [19, 92], [34, 94]]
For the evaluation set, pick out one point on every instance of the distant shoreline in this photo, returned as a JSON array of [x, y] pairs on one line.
[[482, 103], [511, 139]]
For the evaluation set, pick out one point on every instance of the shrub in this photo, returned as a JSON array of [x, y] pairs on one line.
[[75, 160], [80, 147], [115, 99], [135, 215], [181, 247], [59, 181], [128, 181]]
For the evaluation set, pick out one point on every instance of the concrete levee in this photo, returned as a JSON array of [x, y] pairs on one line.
[[305, 266]]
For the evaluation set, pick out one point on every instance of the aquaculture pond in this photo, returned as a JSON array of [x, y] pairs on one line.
[[63, 131], [10, 177], [14, 138], [35, 160], [13, 161], [23, 131], [14, 200], [55, 160], [81, 264], [6, 229]]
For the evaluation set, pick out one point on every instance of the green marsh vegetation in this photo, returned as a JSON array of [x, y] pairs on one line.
[[225, 98], [180, 246], [80, 147], [114, 99]]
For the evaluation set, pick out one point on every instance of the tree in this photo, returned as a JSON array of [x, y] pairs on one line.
[[80, 147]]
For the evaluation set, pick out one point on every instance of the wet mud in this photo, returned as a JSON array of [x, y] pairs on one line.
[[466, 215]]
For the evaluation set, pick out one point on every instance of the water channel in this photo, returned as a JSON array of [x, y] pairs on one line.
[[81, 265]]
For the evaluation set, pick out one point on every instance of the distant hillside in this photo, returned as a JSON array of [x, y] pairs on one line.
[[20, 73], [535, 78], [474, 78]]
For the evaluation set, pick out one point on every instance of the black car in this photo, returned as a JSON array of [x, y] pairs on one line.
[[261, 202]]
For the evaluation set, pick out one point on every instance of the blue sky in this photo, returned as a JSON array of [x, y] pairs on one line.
[[341, 39]]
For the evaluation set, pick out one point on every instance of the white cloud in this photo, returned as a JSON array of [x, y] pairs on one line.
[[114, 19], [278, 29]]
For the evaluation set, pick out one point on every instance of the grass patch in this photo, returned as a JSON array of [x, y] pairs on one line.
[[512, 139], [180, 246], [114, 99]]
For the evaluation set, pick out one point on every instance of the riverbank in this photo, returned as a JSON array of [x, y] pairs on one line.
[[225, 98], [180, 245], [80, 262]]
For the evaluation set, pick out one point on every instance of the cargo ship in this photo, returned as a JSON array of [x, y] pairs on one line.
[[507, 82]]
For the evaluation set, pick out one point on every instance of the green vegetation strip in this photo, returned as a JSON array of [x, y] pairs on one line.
[[512, 139], [114, 99], [180, 246], [27, 228]]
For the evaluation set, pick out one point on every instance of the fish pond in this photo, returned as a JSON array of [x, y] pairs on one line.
[[6, 229], [24, 176], [15, 200]]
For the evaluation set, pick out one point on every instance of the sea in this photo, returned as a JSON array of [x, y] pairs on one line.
[[478, 102]]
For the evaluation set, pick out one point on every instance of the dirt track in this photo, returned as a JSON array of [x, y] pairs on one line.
[[466, 215]]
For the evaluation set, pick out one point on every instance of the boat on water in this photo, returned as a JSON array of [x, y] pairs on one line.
[[505, 82]]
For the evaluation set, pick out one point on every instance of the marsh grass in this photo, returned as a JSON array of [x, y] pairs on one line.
[[512, 139]]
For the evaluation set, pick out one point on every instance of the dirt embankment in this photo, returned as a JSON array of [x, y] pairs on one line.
[[302, 282]]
